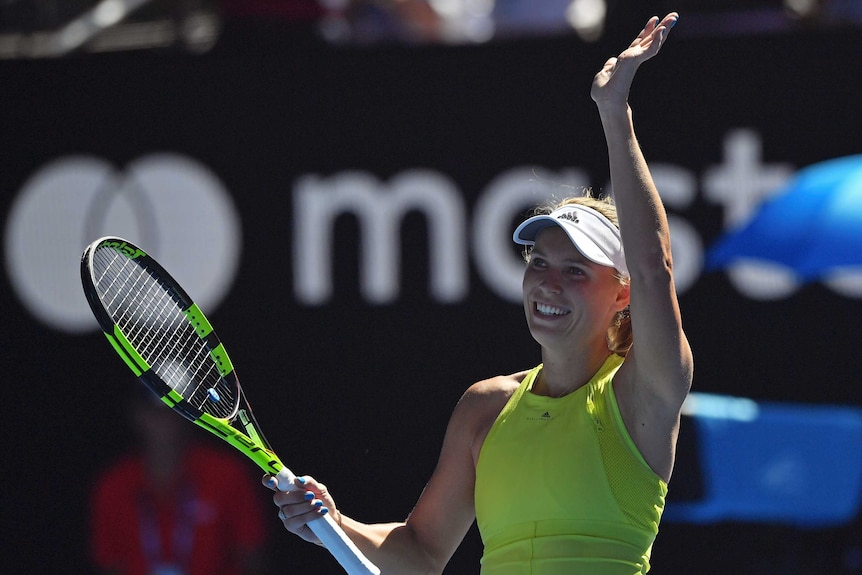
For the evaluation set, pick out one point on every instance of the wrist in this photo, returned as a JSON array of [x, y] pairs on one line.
[[612, 108], [616, 117]]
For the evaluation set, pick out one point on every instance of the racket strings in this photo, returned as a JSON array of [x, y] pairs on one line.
[[150, 315]]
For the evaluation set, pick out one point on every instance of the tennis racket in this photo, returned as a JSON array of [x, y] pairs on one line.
[[165, 339]]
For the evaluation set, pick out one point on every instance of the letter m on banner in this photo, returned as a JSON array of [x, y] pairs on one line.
[[380, 210]]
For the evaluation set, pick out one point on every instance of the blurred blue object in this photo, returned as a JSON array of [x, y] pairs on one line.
[[775, 463], [813, 226]]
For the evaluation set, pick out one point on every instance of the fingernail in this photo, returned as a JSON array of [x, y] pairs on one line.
[[324, 511], [301, 480], [271, 481], [318, 504], [673, 22], [309, 495]]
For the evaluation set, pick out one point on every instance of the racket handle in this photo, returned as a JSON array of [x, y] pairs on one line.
[[332, 536], [341, 547]]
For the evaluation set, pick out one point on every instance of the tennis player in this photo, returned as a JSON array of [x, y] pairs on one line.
[[564, 466]]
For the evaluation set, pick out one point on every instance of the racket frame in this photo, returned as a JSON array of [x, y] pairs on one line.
[[249, 439]]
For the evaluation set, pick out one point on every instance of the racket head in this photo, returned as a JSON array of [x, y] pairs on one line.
[[168, 343], [166, 340]]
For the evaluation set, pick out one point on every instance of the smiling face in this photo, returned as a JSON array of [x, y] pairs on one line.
[[568, 299]]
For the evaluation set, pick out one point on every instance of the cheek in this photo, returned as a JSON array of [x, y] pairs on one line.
[[528, 285], [526, 281]]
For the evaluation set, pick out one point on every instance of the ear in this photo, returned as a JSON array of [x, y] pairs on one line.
[[623, 298]]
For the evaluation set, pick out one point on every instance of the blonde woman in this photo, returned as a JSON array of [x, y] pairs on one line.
[[564, 466]]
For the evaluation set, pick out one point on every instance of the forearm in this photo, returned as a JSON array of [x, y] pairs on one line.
[[643, 221], [393, 547]]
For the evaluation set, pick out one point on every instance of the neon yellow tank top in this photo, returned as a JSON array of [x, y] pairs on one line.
[[594, 505]]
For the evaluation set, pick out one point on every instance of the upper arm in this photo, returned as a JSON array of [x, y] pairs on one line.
[[659, 367], [660, 360], [655, 379], [445, 511]]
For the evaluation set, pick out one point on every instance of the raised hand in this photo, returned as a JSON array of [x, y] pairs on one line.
[[611, 85]]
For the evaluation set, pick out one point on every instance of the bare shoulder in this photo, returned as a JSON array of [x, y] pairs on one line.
[[492, 390], [482, 403]]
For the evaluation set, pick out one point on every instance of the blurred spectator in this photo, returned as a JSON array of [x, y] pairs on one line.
[[843, 11], [270, 25], [175, 507], [522, 17], [278, 25], [405, 21]]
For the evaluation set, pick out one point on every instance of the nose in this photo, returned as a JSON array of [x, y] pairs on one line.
[[553, 282]]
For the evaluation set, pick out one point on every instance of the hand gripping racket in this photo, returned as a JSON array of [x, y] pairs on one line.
[[164, 338]]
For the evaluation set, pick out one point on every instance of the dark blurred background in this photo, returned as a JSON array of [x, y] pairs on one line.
[[348, 173]]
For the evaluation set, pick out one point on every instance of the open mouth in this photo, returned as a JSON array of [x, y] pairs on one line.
[[550, 310]]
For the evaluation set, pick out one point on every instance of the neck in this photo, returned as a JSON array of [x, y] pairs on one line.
[[563, 375]]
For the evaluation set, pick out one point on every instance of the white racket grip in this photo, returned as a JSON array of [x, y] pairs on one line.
[[342, 548], [332, 536]]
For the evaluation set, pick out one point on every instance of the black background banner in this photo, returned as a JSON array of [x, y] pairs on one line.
[[358, 394]]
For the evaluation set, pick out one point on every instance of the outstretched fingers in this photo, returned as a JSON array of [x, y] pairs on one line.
[[648, 29], [652, 37], [612, 83]]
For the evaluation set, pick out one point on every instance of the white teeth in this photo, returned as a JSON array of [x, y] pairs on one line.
[[550, 310]]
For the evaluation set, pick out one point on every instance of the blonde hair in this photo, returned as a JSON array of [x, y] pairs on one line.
[[620, 331]]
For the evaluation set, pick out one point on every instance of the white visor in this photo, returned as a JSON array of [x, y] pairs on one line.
[[592, 233]]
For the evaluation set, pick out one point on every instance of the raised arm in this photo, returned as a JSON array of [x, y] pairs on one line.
[[658, 371]]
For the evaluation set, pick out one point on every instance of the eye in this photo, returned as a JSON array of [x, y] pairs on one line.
[[538, 262], [575, 271]]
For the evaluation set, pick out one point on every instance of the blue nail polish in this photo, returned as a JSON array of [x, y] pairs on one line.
[[301, 480], [324, 511], [673, 23], [309, 495], [271, 481], [318, 504]]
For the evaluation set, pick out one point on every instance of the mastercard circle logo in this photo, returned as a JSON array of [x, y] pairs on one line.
[[170, 205]]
